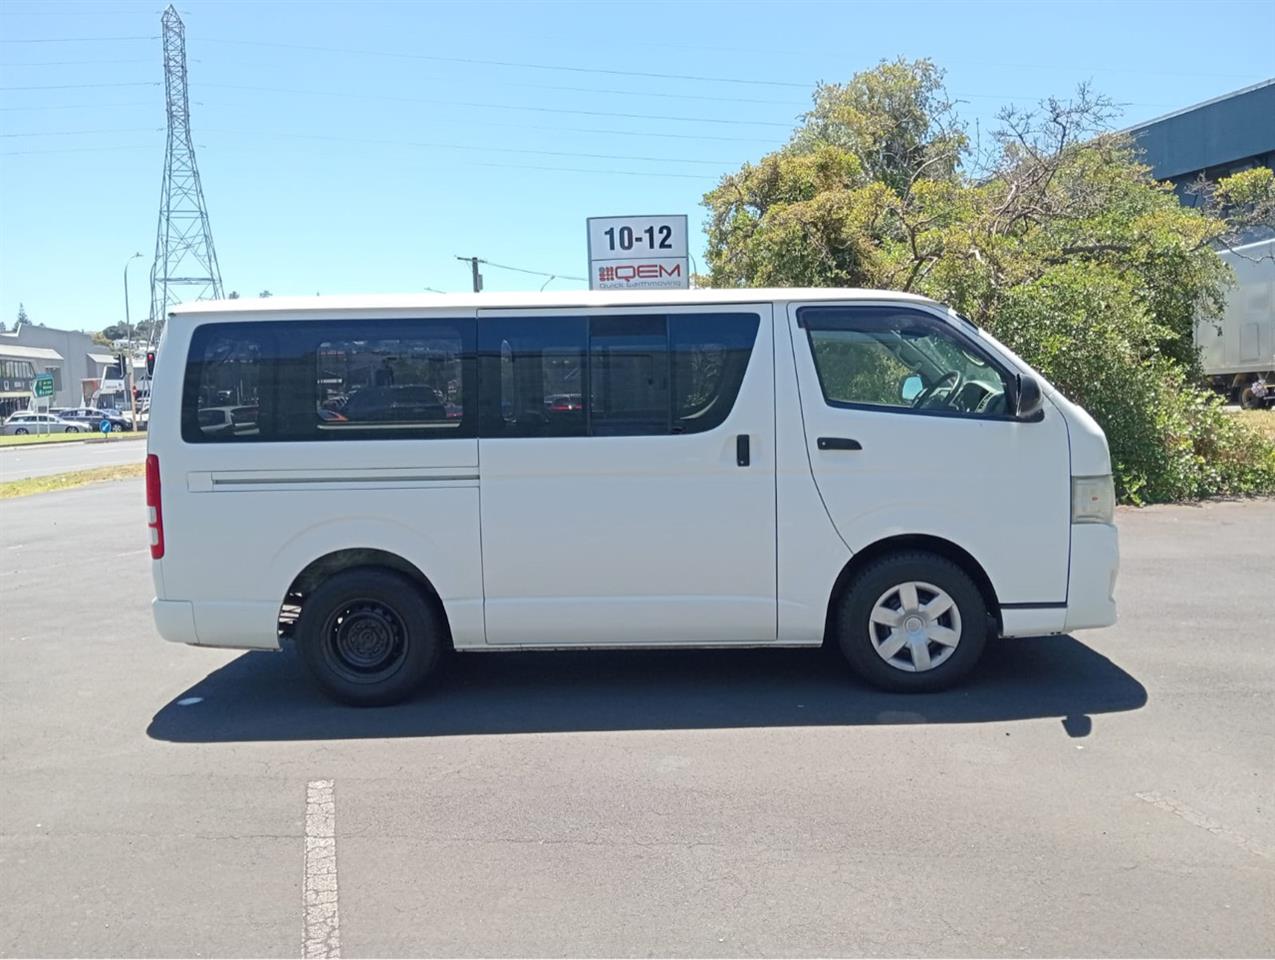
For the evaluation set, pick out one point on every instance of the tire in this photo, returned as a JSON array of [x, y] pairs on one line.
[[20, 432], [1247, 400], [369, 637], [71, 430], [888, 656]]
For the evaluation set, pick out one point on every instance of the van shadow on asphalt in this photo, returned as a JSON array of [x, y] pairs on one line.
[[267, 697]]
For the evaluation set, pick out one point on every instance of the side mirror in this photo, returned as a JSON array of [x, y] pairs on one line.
[[910, 387], [1028, 400]]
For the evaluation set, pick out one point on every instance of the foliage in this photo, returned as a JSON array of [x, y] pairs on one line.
[[22, 315], [1053, 236]]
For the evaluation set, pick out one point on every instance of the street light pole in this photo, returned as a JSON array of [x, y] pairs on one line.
[[128, 354]]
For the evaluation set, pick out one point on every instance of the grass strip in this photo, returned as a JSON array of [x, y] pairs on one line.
[[68, 481]]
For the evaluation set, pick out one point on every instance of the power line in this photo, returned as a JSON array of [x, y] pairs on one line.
[[502, 106], [76, 133], [82, 106], [517, 64], [466, 146], [77, 39], [521, 84], [88, 86], [618, 173], [534, 273], [27, 153], [70, 63]]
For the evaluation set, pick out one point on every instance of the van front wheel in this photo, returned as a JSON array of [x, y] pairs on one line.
[[913, 622], [368, 637]]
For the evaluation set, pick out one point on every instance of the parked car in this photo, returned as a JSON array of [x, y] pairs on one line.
[[92, 417], [25, 421]]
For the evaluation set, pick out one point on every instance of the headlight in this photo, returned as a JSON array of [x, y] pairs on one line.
[[1093, 499]]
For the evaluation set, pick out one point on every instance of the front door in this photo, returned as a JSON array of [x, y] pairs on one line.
[[628, 476], [908, 433]]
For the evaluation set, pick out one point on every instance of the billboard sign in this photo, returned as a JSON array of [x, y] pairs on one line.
[[639, 253]]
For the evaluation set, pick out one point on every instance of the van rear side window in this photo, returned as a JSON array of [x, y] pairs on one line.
[[333, 380], [618, 375]]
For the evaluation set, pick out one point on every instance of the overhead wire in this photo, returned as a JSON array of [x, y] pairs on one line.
[[524, 65], [534, 273], [361, 141], [496, 106]]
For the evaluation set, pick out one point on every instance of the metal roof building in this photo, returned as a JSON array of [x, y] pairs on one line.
[[1215, 138]]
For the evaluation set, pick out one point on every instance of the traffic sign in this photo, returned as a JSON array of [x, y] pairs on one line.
[[43, 386], [638, 253]]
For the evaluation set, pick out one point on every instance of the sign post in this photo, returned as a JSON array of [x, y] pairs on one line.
[[638, 253], [42, 389]]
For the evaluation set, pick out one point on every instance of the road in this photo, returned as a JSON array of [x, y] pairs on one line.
[[20, 462], [1109, 794]]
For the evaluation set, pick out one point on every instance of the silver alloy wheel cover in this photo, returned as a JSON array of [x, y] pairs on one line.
[[915, 626]]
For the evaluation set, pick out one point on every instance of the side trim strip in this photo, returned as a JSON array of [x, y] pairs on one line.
[[397, 478], [1034, 606]]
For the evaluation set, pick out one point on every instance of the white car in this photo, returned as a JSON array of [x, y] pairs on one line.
[[755, 468], [26, 422]]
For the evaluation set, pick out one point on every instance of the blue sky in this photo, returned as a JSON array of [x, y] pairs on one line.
[[357, 147]]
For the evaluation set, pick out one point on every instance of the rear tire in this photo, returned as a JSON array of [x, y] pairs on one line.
[[912, 622], [369, 637], [20, 432], [72, 430]]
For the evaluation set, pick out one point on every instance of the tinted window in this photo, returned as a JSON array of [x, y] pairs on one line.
[[628, 376], [533, 374], [394, 384], [612, 375], [902, 360], [226, 370], [329, 380], [709, 354]]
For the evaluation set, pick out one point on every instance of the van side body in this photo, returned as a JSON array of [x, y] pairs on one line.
[[613, 469]]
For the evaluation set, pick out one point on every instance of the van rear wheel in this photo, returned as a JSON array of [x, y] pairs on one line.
[[913, 622], [368, 637]]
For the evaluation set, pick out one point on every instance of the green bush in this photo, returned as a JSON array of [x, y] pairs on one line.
[[1059, 242]]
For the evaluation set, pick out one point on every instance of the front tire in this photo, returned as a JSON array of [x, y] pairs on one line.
[[913, 622], [72, 430], [20, 432], [369, 637]]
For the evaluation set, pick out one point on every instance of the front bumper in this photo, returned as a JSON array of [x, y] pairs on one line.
[[1091, 589]]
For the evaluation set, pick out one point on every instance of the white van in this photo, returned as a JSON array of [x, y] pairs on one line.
[[379, 478]]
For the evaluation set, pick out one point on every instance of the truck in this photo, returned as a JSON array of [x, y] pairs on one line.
[[1237, 353]]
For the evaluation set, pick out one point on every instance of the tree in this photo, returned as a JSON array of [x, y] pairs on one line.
[[22, 315], [265, 293], [1054, 236], [233, 295]]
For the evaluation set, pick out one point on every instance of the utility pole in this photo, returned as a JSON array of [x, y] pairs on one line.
[[478, 277], [128, 322]]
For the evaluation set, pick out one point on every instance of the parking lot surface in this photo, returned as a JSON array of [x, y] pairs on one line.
[[1104, 794]]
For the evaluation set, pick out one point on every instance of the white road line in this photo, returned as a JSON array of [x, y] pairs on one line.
[[321, 937], [1197, 819]]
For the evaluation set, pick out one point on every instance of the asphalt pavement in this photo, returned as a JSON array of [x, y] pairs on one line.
[[43, 460], [1108, 794]]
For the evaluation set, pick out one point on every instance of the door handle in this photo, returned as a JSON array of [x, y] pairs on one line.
[[838, 443], [742, 457]]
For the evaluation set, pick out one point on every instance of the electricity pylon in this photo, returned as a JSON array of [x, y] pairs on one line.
[[185, 265]]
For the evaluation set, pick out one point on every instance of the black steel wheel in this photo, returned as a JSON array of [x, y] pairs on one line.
[[369, 637]]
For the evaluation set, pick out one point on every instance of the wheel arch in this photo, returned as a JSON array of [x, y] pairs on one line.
[[931, 544], [337, 561]]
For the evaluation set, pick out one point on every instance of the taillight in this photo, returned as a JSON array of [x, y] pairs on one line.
[[154, 508]]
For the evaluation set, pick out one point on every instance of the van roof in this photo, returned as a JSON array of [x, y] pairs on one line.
[[536, 301]]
